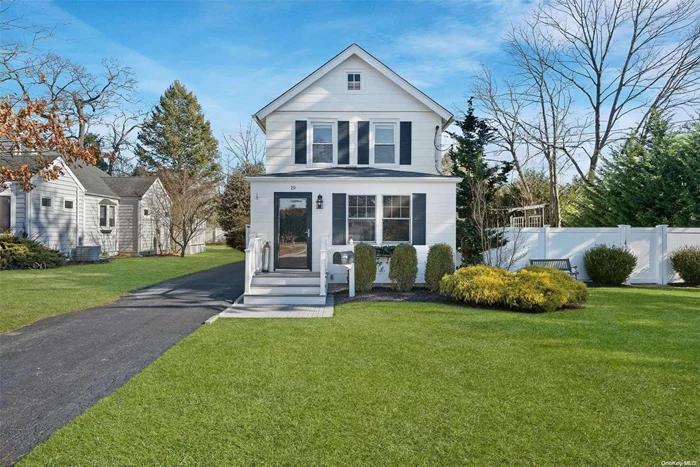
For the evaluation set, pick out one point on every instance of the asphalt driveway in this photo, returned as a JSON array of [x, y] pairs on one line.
[[53, 370]]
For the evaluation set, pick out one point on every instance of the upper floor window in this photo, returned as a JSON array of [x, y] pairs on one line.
[[68, 204], [384, 143], [46, 202], [354, 81], [322, 151]]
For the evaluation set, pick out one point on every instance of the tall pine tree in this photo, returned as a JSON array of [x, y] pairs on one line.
[[177, 143], [480, 182]]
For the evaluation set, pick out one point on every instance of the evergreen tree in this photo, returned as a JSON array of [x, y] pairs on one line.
[[480, 182], [648, 181], [177, 137], [234, 205], [177, 143]]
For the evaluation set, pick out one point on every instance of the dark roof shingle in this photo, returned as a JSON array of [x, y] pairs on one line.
[[359, 172]]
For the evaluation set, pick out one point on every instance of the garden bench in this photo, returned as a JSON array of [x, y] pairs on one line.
[[560, 264]]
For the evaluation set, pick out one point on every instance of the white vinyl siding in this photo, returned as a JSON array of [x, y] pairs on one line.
[[440, 212], [328, 100]]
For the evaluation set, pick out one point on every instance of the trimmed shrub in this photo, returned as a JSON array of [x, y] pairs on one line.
[[531, 290], [686, 262], [365, 267], [403, 267], [22, 253], [440, 262], [609, 264]]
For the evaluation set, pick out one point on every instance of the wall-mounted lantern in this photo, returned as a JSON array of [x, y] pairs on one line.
[[319, 202]]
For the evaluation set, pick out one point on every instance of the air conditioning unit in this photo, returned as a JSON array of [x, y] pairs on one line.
[[88, 254]]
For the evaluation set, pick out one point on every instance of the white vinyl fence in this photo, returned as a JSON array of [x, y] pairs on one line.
[[653, 247]]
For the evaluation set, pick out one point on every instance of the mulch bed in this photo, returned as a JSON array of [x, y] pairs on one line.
[[383, 294]]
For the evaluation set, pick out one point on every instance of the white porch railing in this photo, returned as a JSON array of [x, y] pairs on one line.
[[323, 262], [253, 261]]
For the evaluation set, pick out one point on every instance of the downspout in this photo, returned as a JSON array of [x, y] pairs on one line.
[[138, 227], [77, 217]]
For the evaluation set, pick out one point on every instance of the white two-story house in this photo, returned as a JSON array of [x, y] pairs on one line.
[[352, 156]]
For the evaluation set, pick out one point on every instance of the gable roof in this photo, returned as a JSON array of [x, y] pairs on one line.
[[34, 161], [353, 49], [130, 187], [93, 179]]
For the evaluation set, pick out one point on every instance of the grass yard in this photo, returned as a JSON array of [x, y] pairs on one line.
[[615, 383], [30, 295]]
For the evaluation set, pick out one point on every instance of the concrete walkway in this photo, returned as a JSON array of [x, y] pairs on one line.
[[53, 370], [240, 310]]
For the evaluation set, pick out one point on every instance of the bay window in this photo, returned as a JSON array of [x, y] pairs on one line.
[[107, 216], [396, 218], [362, 218]]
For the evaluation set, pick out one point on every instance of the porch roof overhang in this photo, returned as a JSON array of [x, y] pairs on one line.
[[354, 174]]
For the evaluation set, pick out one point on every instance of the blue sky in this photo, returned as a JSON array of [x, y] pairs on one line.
[[237, 56]]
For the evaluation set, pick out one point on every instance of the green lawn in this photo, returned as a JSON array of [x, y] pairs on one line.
[[615, 383], [28, 296]]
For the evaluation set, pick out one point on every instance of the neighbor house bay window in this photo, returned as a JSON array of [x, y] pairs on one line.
[[396, 219], [322, 143], [107, 216], [362, 218], [384, 143]]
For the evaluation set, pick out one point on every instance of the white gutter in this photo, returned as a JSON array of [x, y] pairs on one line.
[[445, 179]]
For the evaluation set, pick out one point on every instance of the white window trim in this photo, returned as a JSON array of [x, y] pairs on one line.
[[310, 141], [397, 137], [362, 81], [41, 202], [410, 220], [377, 218], [64, 204]]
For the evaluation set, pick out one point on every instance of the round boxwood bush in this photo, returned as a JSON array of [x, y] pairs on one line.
[[365, 267], [403, 267], [440, 262], [609, 264], [686, 262], [531, 290]]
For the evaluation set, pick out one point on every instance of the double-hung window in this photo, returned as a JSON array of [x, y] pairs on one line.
[[354, 81], [362, 213], [384, 143], [322, 143], [107, 216], [396, 219]]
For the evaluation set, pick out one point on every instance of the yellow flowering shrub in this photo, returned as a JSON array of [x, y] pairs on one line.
[[531, 289]]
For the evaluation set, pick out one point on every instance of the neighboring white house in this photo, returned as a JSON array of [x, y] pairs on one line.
[[352, 153], [87, 207]]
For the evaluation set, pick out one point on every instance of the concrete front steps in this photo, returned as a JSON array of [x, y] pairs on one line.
[[285, 288]]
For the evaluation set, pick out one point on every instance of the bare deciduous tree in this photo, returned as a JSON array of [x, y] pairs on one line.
[[119, 138], [193, 202], [244, 148], [658, 67]]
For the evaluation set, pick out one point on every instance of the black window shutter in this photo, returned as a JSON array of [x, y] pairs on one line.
[[343, 143], [363, 143], [300, 142], [405, 149], [419, 218], [339, 212]]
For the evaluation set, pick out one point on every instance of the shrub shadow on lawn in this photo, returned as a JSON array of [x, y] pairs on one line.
[[385, 294]]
